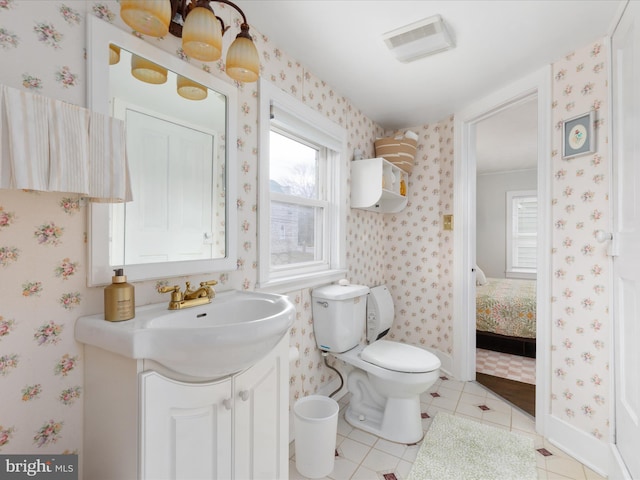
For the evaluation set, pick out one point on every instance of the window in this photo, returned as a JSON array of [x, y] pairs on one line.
[[522, 227], [302, 187]]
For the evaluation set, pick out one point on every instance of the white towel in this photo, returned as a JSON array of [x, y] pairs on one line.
[[108, 168], [68, 147], [49, 145], [28, 139]]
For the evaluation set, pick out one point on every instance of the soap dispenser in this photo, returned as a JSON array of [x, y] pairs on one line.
[[119, 298]]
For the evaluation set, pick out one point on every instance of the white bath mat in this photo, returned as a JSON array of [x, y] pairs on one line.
[[459, 449]]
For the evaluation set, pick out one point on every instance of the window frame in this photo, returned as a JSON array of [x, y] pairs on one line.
[[514, 271], [298, 120]]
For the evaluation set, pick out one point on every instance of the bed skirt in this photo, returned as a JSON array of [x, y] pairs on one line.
[[525, 347]]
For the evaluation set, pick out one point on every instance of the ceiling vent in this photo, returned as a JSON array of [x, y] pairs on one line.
[[419, 39]]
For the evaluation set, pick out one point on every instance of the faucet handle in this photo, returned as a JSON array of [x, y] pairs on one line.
[[166, 289], [176, 296], [211, 293]]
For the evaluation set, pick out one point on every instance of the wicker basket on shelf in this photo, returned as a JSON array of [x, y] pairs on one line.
[[400, 150]]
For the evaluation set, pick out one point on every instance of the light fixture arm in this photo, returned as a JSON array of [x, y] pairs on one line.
[[183, 7], [231, 4]]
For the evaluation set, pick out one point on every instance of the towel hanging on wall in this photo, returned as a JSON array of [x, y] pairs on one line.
[[109, 171], [68, 150], [52, 146]]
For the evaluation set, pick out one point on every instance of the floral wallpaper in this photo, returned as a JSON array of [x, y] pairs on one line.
[[419, 253], [43, 237], [580, 202], [43, 292]]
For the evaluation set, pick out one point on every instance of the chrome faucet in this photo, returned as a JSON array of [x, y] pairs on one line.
[[190, 298]]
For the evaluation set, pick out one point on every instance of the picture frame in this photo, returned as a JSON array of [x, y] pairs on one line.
[[578, 135]]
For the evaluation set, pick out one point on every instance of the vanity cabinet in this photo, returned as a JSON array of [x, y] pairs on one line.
[[144, 422], [378, 185], [185, 429]]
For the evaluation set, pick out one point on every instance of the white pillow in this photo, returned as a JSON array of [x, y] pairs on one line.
[[481, 278]]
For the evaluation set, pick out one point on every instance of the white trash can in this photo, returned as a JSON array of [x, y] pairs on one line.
[[315, 423]]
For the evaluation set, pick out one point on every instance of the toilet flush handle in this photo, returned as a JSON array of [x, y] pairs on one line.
[[324, 304]]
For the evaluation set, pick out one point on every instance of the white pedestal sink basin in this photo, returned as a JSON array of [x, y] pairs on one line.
[[228, 335]]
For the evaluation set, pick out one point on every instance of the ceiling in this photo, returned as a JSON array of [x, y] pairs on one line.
[[497, 42], [508, 140]]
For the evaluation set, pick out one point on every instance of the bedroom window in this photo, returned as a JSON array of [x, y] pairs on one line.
[[522, 227], [301, 192]]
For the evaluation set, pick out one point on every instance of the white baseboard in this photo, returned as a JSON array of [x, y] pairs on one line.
[[617, 469], [585, 448], [446, 362]]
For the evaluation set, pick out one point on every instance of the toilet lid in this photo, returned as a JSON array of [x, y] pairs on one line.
[[400, 357]]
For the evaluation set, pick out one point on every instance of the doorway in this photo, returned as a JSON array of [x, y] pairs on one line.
[[506, 251], [538, 86]]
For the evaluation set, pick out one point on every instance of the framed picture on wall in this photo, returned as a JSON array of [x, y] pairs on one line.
[[578, 137]]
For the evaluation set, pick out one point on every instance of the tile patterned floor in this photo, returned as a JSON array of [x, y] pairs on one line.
[[503, 365], [362, 456]]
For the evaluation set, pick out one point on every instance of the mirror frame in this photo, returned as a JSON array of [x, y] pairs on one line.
[[99, 272]]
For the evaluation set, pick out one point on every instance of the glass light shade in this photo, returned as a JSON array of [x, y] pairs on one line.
[[149, 17], [191, 90], [114, 54], [202, 35], [147, 71], [243, 63]]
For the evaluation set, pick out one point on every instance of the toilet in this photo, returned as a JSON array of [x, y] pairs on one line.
[[388, 377]]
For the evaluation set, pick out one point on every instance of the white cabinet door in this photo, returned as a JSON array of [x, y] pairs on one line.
[[261, 444], [185, 429]]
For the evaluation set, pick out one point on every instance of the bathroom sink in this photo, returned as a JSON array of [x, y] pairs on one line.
[[228, 335]]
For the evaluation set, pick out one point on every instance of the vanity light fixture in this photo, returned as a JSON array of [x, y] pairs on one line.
[[149, 17], [190, 90], [114, 54], [147, 71], [201, 31]]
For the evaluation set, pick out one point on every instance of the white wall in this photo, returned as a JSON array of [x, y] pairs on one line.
[[491, 215]]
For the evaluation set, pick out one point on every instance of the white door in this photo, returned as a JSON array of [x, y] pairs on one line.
[[626, 235], [261, 414], [171, 167], [185, 429]]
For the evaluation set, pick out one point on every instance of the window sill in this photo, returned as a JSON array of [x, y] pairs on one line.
[[289, 284], [519, 274]]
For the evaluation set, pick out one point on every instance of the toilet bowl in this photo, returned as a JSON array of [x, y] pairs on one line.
[[388, 377]]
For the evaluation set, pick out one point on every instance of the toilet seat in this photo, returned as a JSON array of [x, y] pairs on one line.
[[400, 357]]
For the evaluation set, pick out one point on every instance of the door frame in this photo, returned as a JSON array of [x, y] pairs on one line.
[[464, 358]]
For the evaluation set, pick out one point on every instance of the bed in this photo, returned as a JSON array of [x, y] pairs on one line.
[[506, 316]]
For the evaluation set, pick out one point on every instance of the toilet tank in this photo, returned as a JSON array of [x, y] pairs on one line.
[[380, 313], [339, 316]]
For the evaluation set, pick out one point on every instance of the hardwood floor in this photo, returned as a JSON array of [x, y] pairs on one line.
[[522, 395]]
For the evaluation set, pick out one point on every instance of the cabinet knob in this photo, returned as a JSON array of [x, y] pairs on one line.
[[227, 403], [244, 395]]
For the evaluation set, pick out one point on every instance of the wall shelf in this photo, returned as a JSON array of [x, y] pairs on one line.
[[376, 185]]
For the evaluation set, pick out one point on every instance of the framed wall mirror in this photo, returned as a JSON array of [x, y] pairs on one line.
[[181, 144]]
